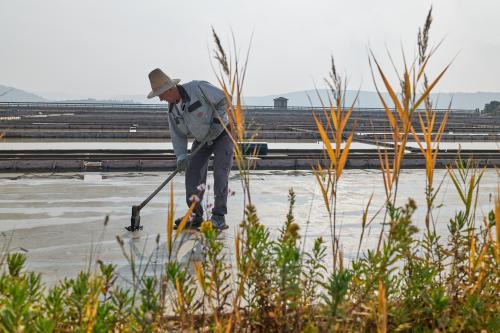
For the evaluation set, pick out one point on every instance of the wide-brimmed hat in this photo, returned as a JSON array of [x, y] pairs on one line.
[[160, 82]]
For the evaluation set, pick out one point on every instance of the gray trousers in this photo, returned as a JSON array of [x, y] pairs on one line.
[[196, 173]]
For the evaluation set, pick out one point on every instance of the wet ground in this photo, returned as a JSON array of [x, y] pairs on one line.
[[57, 219], [19, 144], [27, 144]]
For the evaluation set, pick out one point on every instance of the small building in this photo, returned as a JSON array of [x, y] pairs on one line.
[[280, 103], [492, 108]]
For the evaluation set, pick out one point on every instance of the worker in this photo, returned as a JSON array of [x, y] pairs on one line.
[[198, 109]]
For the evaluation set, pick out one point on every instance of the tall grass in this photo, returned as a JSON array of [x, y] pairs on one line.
[[267, 283], [415, 91], [328, 178], [231, 77]]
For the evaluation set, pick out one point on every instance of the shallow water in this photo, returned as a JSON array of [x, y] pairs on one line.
[[32, 144], [486, 145], [58, 218], [141, 145]]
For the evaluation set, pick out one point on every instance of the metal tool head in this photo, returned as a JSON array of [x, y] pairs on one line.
[[135, 220]]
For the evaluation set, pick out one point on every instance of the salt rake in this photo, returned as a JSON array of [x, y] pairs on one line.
[[135, 220]]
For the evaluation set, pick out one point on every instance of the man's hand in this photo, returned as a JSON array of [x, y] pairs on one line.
[[182, 164]]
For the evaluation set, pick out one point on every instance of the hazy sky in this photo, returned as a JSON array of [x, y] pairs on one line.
[[102, 48]]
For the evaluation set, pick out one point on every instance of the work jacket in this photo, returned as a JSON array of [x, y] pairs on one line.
[[203, 106]]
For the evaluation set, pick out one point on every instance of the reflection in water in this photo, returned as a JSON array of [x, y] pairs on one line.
[[92, 177]]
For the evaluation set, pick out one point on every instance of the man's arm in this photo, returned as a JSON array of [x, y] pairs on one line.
[[179, 140], [215, 98], [218, 101]]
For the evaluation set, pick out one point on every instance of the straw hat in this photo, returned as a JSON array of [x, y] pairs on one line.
[[160, 82]]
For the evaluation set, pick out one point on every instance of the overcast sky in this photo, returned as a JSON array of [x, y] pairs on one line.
[[100, 48]]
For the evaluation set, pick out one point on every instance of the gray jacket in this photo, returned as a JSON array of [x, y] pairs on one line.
[[199, 100]]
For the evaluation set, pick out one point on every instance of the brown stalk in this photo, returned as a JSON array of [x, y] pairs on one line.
[[497, 225], [336, 120], [170, 221], [430, 153], [381, 309], [231, 77], [184, 220]]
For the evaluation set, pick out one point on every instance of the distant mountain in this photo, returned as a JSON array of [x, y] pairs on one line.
[[93, 100], [98, 98], [138, 99], [9, 94], [370, 99], [367, 99]]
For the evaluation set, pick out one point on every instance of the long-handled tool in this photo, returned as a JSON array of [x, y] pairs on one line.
[[135, 220]]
